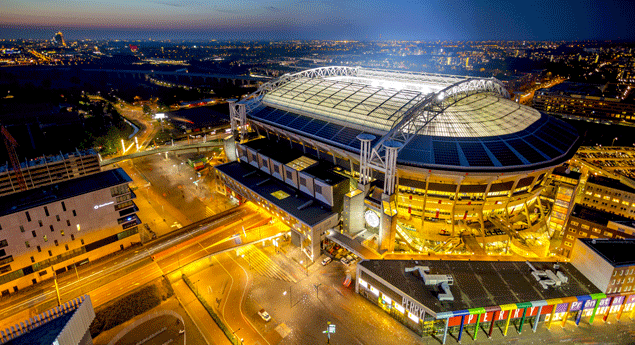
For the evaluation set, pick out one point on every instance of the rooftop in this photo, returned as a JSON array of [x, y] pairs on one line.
[[610, 183], [599, 217], [49, 159], [566, 172], [580, 89], [31, 198], [65, 324], [480, 283], [278, 193], [324, 173], [615, 252]]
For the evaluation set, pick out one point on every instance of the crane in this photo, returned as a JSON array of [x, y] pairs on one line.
[[11, 144]]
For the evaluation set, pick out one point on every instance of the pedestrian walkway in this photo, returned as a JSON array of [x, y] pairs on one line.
[[204, 322], [263, 265], [353, 245]]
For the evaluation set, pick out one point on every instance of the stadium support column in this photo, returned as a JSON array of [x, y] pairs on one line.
[[353, 211], [238, 118], [388, 226]]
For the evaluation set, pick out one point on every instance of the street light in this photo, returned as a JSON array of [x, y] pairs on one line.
[[613, 142], [290, 299]]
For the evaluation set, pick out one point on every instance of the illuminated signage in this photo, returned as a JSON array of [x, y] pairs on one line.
[[413, 307], [102, 205], [372, 218]]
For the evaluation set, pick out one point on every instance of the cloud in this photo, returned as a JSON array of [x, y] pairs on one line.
[[177, 3], [272, 9]]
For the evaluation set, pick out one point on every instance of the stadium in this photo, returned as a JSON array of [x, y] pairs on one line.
[[407, 162]]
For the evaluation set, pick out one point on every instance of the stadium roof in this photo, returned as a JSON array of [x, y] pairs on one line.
[[479, 129]]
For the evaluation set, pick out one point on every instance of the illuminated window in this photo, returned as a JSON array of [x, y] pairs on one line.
[[78, 227], [363, 283], [46, 238], [374, 291]]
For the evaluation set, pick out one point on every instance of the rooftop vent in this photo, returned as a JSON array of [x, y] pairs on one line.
[[547, 278], [443, 281]]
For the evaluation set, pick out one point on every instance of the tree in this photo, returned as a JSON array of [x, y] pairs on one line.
[[146, 109]]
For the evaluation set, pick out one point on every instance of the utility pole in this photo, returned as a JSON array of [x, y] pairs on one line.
[[57, 289]]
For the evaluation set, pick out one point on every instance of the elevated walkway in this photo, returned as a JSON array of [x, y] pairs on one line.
[[353, 245]]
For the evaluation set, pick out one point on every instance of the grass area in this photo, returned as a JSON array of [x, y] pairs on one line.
[[211, 312], [126, 307]]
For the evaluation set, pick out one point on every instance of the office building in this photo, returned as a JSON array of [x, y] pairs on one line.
[[609, 195], [58, 226], [608, 263], [586, 222], [586, 101]]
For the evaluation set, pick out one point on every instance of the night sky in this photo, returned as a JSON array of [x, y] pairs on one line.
[[320, 19]]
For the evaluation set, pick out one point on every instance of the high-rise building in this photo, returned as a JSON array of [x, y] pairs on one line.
[[586, 222], [60, 225], [59, 39], [609, 264]]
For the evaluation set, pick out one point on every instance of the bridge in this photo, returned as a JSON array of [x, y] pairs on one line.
[[184, 77], [164, 149]]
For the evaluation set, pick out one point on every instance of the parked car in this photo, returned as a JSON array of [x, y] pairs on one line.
[[344, 260], [264, 315], [350, 259], [326, 261]]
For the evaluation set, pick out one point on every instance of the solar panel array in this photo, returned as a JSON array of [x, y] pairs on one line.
[[367, 106]]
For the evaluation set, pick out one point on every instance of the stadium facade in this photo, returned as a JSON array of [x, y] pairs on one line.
[[421, 156]]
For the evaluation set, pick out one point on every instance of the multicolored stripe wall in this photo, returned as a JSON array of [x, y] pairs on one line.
[[555, 310]]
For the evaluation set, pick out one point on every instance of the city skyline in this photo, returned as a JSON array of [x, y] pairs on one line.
[[326, 19]]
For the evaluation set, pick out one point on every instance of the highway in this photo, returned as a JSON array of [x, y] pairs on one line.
[[116, 275]]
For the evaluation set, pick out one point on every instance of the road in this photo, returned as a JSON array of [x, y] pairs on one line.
[[110, 277], [529, 96]]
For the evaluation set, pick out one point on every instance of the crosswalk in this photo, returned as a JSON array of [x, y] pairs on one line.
[[263, 265]]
